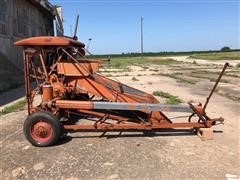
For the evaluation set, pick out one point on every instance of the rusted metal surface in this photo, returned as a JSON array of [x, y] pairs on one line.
[[48, 41], [72, 69], [47, 92], [135, 126], [41, 131], [67, 104], [70, 84]]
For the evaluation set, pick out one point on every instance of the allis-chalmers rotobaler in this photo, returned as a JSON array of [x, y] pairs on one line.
[[57, 70]]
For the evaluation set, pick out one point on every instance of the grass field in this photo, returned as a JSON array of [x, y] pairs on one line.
[[218, 56], [123, 62], [170, 99]]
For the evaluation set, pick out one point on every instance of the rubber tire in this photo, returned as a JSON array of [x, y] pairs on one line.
[[48, 117]]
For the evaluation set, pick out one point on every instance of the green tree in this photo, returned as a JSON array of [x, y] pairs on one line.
[[225, 48]]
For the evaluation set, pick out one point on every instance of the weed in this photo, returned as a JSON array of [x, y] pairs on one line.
[[117, 65], [230, 96], [13, 107], [217, 56], [145, 67], [170, 99], [209, 78], [134, 79], [221, 80], [179, 79], [123, 62], [156, 70]]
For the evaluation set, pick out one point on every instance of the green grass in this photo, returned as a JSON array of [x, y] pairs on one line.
[[221, 80], [13, 107], [178, 78], [157, 54], [135, 79], [228, 95], [203, 76], [123, 62], [145, 67], [114, 71], [197, 73], [218, 56], [156, 70], [194, 62], [170, 99]]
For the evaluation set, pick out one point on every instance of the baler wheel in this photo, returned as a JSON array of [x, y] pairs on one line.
[[42, 129]]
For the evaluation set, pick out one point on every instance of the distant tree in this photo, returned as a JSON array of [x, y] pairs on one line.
[[225, 48]]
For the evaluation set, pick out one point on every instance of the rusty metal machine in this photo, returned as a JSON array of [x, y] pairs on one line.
[[69, 86]]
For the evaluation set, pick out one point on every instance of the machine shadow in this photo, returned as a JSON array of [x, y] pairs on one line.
[[155, 133]]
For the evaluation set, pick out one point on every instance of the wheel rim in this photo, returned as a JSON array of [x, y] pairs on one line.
[[41, 131]]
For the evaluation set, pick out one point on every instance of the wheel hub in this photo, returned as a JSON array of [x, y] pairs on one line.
[[41, 131]]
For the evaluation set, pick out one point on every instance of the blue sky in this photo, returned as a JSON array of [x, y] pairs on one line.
[[114, 26]]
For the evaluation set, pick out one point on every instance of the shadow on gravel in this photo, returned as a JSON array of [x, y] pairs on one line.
[[64, 140], [163, 132]]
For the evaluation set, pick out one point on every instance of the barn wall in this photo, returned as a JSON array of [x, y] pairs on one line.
[[19, 19]]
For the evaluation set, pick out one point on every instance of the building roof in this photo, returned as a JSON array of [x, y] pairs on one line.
[[48, 41]]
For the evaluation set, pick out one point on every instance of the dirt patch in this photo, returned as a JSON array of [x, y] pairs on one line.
[[203, 75]]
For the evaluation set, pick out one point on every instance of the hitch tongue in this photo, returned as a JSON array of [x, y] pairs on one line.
[[215, 85], [219, 120]]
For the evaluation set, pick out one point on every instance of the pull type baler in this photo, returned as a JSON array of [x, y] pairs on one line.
[[57, 70]]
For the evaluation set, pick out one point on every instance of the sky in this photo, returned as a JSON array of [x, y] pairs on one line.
[[186, 25]]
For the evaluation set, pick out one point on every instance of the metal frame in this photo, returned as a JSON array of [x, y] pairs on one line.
[[100, 97]]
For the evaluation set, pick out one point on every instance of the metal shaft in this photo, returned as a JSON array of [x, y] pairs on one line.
[[215, 85], [142, 37], [76, 26]]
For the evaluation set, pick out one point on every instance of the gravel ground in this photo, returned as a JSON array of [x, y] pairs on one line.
[[129, 156], [167, 155]]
